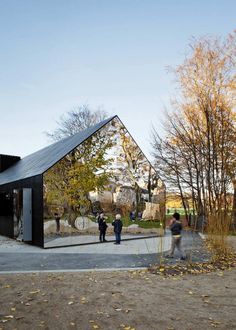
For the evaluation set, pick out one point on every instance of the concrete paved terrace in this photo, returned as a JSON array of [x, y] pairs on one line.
[[20, 257]]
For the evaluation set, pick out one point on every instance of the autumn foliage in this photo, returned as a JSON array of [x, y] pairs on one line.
[[196, 155]]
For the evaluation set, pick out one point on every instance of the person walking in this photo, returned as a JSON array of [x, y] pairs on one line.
[[102, 226], [117, 223], [176, 228]]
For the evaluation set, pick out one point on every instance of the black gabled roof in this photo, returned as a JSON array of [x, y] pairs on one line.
[[40, 161]]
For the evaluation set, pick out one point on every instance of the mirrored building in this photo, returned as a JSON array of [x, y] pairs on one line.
[[53, 197]]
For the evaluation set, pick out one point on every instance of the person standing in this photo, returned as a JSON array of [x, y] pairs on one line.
[[102, 226], [117, 224], [176, 228], [57, 219]]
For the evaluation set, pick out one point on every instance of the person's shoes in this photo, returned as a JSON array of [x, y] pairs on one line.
[[105, 240], [183, 258], [115, 243]]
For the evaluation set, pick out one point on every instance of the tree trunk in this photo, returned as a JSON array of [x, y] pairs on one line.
[[234, 207], [72, 217], [137, 194]]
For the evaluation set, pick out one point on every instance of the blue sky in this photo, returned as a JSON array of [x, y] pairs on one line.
[[58, 54]]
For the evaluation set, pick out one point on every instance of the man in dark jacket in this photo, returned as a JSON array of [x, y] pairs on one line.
[[117, 223], [176, 228], [102, 226]]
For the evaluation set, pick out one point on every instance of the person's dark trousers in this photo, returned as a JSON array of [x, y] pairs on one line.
[[58, 226], [117, 238], [102, 236]]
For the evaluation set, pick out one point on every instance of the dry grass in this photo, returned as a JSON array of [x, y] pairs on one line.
[[218, 229]]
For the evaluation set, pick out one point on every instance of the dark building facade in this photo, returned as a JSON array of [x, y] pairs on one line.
[[15, 209], [98, 169]]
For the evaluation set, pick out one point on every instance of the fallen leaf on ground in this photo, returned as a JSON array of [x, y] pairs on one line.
[[83, 300], [34, 292], [128, 310]]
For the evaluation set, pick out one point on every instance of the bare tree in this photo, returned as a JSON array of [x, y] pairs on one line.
[[198, 152], [76, 120]]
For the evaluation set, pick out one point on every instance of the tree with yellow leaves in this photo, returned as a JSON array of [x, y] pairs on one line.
[[197, 154]]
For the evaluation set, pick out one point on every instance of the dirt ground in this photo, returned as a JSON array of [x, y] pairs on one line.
[[118, 300]]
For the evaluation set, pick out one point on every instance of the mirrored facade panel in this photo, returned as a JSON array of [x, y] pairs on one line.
[[18, 213], [106, 175]]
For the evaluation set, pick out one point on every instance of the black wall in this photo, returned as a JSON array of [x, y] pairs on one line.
[[7, 161], [6, 214], [6, 222]]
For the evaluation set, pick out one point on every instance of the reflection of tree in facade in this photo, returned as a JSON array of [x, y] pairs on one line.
[[134, 181], [17, 211], [107, 172], [135, 162], [69, 182]]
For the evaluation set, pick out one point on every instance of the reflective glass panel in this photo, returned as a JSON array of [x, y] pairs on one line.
[[105, 176], [18, 213]]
